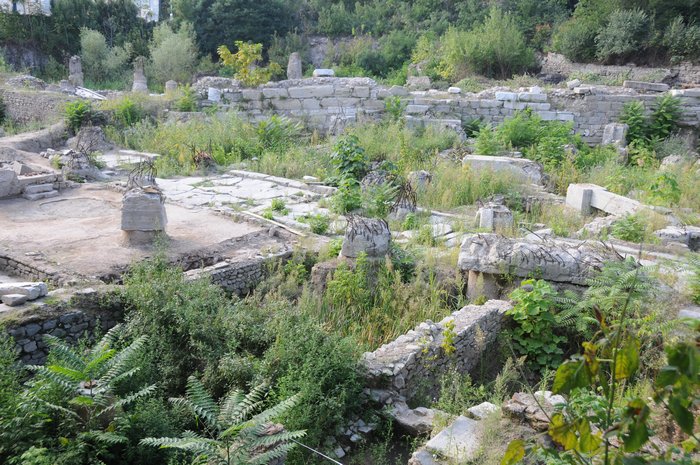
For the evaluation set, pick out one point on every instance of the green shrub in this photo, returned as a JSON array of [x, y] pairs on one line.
[[128, 112], [487, 142], [173, 54], [665, 190], [625, 35], [103, 65], [633, 116], [534, 323], [348, 197], [629, 228], [318, 223], [78, 113], [664, 117], [682, 40], [494, 48], [695, 279], [349, 158], [520, 130], [575, 39], [187, 101], [394, 107], [278, 133]]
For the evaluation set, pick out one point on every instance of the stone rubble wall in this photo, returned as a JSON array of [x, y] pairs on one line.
[[14, 267], [43, 107], [330, 104], [415, 361], [238, 277]]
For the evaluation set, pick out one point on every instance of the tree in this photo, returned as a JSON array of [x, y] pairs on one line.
[[100, 62], [245, 62], [173, 54], [233, 434]]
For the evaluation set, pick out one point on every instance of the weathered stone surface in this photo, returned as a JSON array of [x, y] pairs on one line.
[[89, 139], [31, 290], [410, 363], [574, 83], [78, 165], [583, 197], [140, 83], [419, 179], [599, 226], [557, 260], [520, 168], [494, 217], [415, 421], [684, 235], [143, 211], [310, 91], [616, 134], [14, 300], [294, 69], [454, 90], [75, 71], [418, 82], [533, 409], [323, 72], [648, 86], [458, 443], [690, 312], [214, 94], [483, 410], [368, 235], [21, 169], [170, 88], [9, 184]]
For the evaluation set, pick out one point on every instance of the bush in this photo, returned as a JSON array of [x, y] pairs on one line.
[[103, 64], [630, 228], [575, 39], [625, 35], [633, 116], [173, 54], [495, 48], [187, 101], [318, 223], [682, 40], [664, 117], [349, 158], [128, 112], [78, 113], [487, 142], [245, 63], [535, 321]]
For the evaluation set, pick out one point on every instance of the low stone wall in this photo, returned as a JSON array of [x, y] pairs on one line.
[[414, 362], [69, 320], [238, 277], [44, 107], [329, 104], [14, 267]]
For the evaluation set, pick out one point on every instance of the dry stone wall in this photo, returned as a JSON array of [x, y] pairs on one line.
[[415, 361], [329, 104], [28, 106]]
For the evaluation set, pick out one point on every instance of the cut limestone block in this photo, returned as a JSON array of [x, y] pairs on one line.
[[648, 86], [615, 133], [583, 197], [13, 300], [520, 168], [459, 442], [368, 235], [143, 211], [41, 195], [9, 184], [31, 290]]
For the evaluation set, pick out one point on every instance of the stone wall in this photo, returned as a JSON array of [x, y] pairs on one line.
[[238, 277], [42, 107], [14, 267], [329, 104], [414, 362], [69, 320]]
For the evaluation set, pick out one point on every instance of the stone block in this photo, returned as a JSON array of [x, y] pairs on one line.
[[251, 94], [275, 92], [9, 184], [323, 72], [520, 168], [507, 96], [458, 443], [490, 104], [574, 83], [311, 91], [31, 290], [579, 197], [360, 92], [690, 312], [564, 116], [483, 410], [418, 82], [603, 200], [38, 188], [14, 300], [694, 92], [143, 211], [532, 97], [646, 86], [368, 235], [310, 104], [495, 218], [454, 90], [481, 285], [513, 105], [294, 68], [21, 169], [539, 106], [615, 133]]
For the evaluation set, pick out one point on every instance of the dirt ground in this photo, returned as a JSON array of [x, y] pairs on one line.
[[79, 231]]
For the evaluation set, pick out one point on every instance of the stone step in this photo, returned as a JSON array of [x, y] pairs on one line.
[[40, 195], [38, 188]]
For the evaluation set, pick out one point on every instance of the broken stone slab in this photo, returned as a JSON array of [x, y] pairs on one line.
[[323, 72], [9, 184], [690, 312], [567, 261], [520, 168], [615, 134], [684, 235], [366, 235], [574, 83], [494, 217], [418, 82], [584, 197], [14, 300], [458, 443], [648, 86], [415, 421], [32, 290], [599, 226], [89, 139], [483, 410], [535, 410], [21, 169], [454, 90], [694, 92], [143, 211]]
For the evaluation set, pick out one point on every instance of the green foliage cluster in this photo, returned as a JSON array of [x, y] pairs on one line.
[[103, 66], [661, 123], [78, 113]]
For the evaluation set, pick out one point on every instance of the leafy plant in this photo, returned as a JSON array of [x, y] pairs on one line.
[[277, 133], [279, 206], [349, 158], [633, 116], [535, 322], [626, 33], [348, 196], [187, 101], [245, 63], [629, 228], [487, 142], [89, 385], [3, 110], [394, 107], [318, 223], [77, 114], [664, 117], [128, 112], [665, 190], [233, 432]]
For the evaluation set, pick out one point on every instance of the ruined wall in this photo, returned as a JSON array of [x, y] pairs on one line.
[[238, 277], [36, 106], [415, 361], [329, 104], [14, 267]]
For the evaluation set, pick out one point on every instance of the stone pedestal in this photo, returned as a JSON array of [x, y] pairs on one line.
[[75, 71], [615, 133], [170, 88], [482, 284], [143, 216], [140, 82], [495, 217], [368, 235], [294, 70]]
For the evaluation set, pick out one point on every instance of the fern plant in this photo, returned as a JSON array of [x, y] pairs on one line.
[[88, 383], [232, 433]]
